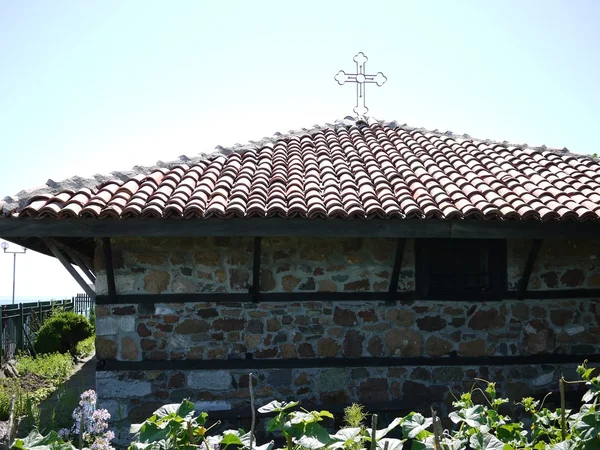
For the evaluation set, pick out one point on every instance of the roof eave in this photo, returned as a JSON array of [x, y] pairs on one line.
[[11, 228]]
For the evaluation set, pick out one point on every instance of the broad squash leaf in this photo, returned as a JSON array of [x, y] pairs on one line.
[[35, 441], [381, 433], [414, 424], [564, 445], [588, 426], [315, 436], [392, 444], [471, 416], [276, 406], [487, 442]]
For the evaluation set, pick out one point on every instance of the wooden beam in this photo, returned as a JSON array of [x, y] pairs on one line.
[[290, 297], [390, 228], [223, 227], [393, 288], [56, 252], [307, 363], [533, 254], [108, 267], [77, 259], [255, 288]]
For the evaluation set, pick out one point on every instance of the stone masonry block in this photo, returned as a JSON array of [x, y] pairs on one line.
[[109, 386], [106, 326], [217, 380]]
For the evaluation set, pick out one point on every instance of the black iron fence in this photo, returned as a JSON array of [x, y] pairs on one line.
[[19, 323]]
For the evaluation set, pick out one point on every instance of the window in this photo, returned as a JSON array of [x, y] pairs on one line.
[[461, 267]]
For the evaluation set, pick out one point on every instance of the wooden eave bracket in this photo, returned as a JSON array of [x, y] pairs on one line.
[[82, 262], [255, 287], [393, 288], [52, 246], [109, 268], [531, 259]]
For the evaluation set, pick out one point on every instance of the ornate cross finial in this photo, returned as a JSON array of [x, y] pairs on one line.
[[361, 79]]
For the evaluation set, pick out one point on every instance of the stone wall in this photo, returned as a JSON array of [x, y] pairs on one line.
[[201, 330]]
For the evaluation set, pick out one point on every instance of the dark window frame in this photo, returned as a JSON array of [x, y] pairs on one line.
[[496, 271]]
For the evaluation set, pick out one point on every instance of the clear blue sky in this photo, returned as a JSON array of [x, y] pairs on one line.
[[92, 87]]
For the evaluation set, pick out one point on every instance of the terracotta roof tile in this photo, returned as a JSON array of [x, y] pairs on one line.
[[353, 170]]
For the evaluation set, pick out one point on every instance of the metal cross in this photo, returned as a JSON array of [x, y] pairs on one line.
[[361, 79]]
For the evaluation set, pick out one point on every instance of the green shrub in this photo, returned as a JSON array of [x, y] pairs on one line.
[[86, 347], [93, 317], [61, 333], [55, 367], [8, 388]]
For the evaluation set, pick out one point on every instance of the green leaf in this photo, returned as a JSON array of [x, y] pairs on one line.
[[471, 416], [201, 419], [230, 439], [345, 434], [486, 442], [267, 446], [315, 436], [564, 445], [325, 414], [594, 444], [151, 432], [588, 426], [426, 444], [182, 409], [297, 417], [273, 424], [148, 445], [35, 441], [310, 442], [392, 444], [165, 410], [276, 406], [414, 423], [381, 433], [509, 432], [588, 396]]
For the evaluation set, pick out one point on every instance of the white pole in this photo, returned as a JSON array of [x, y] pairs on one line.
[[14, 272]]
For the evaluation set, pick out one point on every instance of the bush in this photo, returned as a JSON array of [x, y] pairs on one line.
[[62, 332], [86, 347], [55, 367], [93, 317]]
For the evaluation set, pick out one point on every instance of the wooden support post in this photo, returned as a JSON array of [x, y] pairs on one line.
[[56, 252], [255, 288], [108, 266], [396, 269], [533, 253]]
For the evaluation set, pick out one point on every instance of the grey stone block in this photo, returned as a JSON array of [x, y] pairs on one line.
[[217, 380]]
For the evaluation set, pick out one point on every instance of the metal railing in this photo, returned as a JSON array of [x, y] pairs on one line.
[[19, 323]]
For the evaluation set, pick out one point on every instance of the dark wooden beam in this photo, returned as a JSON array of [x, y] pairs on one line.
[[79, 260], [393, 288], [533, 254], [255, 288], [262, 297], [67, 265], [307, 363], [108, 267], [390, 228], [289, 297]]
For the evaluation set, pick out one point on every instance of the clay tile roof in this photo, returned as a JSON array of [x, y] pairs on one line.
[[353, 169]]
